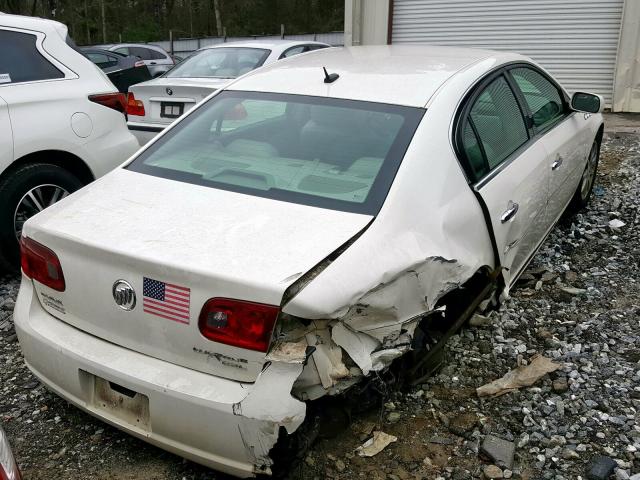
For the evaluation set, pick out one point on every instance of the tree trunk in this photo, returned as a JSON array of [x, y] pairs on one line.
[[216, 9], [86, 20], [104, 22]]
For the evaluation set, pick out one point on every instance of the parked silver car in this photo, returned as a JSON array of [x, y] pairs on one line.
[[155, 58], [154, 104]]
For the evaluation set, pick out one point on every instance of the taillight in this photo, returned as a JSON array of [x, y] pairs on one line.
[[134, 107], [8, 467], [139, 63], [238, 323], [117, 101], [41, 264]]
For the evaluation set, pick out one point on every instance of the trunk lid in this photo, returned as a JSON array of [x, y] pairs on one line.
[[213, 243], [162, 107]]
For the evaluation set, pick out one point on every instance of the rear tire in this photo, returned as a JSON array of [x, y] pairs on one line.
[[583, 193], [23, 192]]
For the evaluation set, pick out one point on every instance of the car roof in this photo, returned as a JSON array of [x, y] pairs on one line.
[[268, 44], [394, 74], [32, 23]]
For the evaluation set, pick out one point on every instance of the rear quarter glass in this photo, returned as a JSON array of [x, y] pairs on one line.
[[323, 152]]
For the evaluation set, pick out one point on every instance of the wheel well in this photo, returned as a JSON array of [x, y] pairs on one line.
[[600, 134], [66, 160]]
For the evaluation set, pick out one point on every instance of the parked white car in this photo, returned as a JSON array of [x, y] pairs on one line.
[[62, 123], [157, 60], [295, 233], [156, 103]]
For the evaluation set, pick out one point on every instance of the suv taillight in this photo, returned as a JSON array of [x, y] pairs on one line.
[[41, 264], [134, 107], [238, 323], [117, 101]]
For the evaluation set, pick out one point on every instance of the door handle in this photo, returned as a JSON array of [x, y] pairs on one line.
[[556, 164], [153, 63], [510, 212]]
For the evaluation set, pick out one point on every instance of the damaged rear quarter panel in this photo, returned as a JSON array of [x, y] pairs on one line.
[[429, 238]]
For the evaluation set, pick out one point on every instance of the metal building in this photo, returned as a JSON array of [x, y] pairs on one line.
[[588, 45]]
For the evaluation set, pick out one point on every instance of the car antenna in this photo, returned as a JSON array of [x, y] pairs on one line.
[[329, 77]]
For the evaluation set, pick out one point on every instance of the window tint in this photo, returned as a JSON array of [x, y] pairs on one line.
[[143, 53], [20, 60], [498, 122], [155, 55], [251, 112], [331, 153], [293, 51], [102, 60], [542, 97], [473, 151]]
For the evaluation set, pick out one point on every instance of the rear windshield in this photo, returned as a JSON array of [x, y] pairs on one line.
[[222, 62], [324, 152]]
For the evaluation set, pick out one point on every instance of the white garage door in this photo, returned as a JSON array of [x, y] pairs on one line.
[[576, 40]]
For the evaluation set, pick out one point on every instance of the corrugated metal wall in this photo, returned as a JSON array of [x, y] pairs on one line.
[[576, 40]]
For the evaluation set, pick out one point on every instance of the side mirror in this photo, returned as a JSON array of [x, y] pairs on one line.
[[587, 102]]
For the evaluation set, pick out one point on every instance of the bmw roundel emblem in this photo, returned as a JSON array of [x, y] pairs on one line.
[[169, 91], [124, 295]]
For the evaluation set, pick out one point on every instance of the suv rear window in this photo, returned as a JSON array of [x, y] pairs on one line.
[[324, 152], [21, 61]]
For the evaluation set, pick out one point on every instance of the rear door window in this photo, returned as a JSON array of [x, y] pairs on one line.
[[20, 60], [494, 128], [325, 152], [143, 53], [102, 60], [543, 98], [293, 51], [156, 55]]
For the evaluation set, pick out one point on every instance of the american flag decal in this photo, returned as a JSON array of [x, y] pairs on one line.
[[166, 300]]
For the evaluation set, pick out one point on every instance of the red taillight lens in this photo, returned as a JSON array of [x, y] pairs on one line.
[[41, 264], [139, 63], [117, 101], [236, 322], [134, 107], [8, 467]]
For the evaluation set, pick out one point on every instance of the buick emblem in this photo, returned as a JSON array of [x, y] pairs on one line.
[[169, 91], [124, 295]]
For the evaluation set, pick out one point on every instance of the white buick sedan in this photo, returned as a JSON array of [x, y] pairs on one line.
[[295, 233]]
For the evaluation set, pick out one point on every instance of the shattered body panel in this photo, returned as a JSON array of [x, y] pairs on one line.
[[362, 308]]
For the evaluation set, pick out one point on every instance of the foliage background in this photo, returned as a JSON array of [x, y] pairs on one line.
[[108, 21]]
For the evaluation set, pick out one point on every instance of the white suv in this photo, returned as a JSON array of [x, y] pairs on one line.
[[62, 123]]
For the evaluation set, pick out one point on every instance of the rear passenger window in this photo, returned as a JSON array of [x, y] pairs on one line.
[[21, 61], [499, 126], [543, 97], [293, 51], [155, 55]]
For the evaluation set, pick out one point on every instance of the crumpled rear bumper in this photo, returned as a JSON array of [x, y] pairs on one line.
[[223, 424]]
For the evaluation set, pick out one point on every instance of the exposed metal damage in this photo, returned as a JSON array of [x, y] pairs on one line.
[[312, 358]]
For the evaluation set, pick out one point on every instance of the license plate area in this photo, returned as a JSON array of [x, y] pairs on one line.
[[117, 401], [171, 109]]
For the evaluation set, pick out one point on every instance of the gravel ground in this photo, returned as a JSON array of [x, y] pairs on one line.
[[578, 304]]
